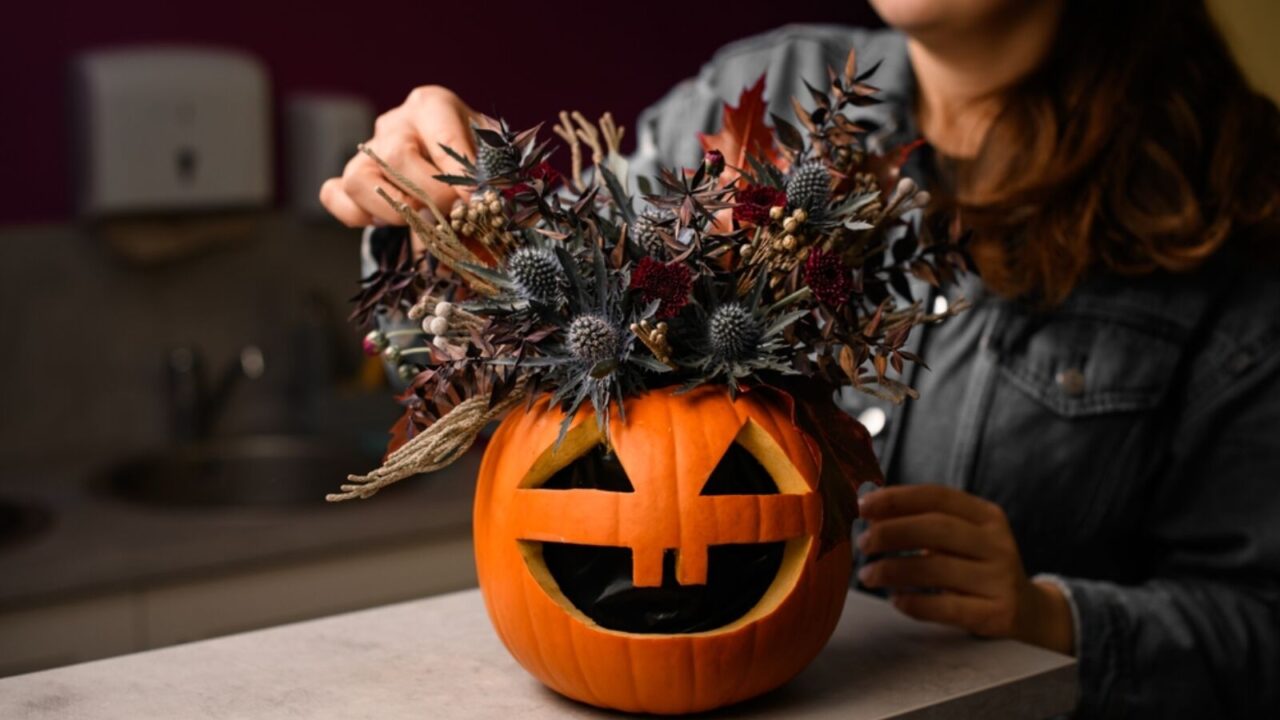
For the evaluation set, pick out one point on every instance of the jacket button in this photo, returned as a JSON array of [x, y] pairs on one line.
[[873, 420], [1071, 381]]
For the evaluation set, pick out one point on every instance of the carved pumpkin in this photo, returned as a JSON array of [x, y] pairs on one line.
[[678, 569]]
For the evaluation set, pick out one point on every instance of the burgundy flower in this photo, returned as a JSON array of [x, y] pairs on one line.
[[668, 283], [754, 201], [829, 278], [542, 171]]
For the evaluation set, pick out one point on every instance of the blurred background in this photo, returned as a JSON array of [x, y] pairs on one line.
[[181, 387]]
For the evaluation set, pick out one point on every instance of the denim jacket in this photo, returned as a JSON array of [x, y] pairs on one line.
[[1132, 435]]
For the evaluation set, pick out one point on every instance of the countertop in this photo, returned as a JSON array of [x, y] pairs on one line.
[[438, 658]]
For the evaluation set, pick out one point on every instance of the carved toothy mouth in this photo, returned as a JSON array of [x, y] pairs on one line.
[[597, 580]]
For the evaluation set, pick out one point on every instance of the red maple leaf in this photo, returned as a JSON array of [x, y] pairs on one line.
[[743, 131]]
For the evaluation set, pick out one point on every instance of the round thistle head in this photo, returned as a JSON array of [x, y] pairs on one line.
[[537, 275], [809, 186], [646, 230], [733, 332], [496, 161], [593, 339]]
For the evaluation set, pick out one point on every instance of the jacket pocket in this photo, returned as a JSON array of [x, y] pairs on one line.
[[1079, 366], [1075, 430]]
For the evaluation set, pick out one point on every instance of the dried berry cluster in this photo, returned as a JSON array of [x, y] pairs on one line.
[[786, 251]]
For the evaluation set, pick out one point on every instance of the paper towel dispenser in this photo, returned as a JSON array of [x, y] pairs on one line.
[[170, 129]]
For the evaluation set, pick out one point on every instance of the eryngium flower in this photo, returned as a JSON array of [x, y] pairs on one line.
[[645, 233], [732, 332], [593, 339], [496, 161], [809, 186], [537, 275]]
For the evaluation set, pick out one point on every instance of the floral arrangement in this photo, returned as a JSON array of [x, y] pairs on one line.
[[780, 261]]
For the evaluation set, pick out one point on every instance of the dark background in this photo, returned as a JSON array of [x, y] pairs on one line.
[[525, 60]]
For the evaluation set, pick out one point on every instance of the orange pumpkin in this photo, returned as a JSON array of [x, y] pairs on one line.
[[608, 582]]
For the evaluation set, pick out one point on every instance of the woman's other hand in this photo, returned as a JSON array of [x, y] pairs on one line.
[[408, 138], [949, 557]]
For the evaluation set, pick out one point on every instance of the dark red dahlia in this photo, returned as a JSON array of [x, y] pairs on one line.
[[829, 278], [669, 283], [754, 201], [542, 171]]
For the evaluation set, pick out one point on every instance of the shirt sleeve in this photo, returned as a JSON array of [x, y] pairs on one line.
[[1200, 637]]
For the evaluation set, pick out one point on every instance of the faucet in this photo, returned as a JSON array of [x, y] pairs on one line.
[[193, 404]]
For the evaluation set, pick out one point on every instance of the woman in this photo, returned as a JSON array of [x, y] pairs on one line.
[[1094, 463]]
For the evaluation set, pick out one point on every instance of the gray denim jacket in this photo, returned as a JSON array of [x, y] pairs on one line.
[[1132, 435]]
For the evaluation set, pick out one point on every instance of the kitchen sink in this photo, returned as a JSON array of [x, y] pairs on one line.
[[20, 521], [263, 470]]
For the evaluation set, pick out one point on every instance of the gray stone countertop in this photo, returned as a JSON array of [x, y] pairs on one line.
[[438, 658]]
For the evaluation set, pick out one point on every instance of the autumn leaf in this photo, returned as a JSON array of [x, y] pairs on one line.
[[400, 433], [743, 131], [888, 167]]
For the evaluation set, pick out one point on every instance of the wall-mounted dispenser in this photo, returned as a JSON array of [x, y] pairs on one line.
[[170, 129]]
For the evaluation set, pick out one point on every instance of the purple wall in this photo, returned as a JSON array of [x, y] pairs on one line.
[[526, 61]]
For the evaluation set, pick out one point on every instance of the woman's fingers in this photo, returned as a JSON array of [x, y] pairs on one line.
[[361, 180], [903, 500], [932, 570], [341, 206], [440, 119], [968, 561], [407, 138], [930, 530], [405, 156]]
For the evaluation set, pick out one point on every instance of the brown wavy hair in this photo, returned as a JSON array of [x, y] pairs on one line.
[[1138, 146]]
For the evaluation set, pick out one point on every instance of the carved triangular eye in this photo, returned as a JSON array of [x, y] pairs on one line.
[[739, 473], [596, 470]]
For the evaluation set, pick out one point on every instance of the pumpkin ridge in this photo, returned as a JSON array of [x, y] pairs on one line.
[[586, 685], [536, 646], [631, 676], [692, 651]]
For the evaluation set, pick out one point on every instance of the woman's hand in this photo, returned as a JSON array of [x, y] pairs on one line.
[[964, 568], [408, 138]]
